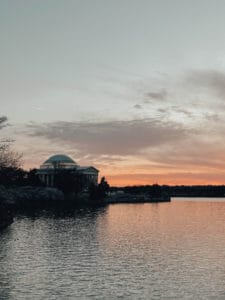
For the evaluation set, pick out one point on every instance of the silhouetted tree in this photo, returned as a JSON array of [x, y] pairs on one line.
[[156, 190], [32, 178], [8, 157], [103, 187], [10, 176], [98, 193]]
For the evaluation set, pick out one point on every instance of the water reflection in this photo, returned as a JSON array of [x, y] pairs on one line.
[[142, 251]]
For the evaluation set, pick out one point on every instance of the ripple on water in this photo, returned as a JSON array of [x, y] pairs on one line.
[[143, 251]]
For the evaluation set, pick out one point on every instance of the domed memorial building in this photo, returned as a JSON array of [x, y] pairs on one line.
[[63, 163]]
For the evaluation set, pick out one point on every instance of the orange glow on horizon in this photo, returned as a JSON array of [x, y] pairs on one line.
[[131, 176], [126, 180]]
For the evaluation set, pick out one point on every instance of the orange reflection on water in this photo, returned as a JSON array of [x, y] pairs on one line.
[[160, 227]]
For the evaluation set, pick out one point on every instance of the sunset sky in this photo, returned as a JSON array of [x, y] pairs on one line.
[[135, 88]]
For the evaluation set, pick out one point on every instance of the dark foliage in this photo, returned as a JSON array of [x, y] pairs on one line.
[[98, 193], [176, 191], [11, 176], [32, 179], [67, 182]]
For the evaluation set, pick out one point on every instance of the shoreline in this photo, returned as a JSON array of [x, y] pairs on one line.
[[125, 198]]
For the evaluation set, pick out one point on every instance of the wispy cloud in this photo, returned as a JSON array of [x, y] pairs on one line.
[[111, 138], [155, 95], [211, 80], [138, 106]]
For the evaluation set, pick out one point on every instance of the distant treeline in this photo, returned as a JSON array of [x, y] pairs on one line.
[[176, 191]]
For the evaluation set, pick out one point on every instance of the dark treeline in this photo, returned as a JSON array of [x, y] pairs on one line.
[[13, 176], [22, 189], [176, 191]]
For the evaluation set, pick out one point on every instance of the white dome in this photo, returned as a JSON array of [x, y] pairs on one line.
[[59, 161]]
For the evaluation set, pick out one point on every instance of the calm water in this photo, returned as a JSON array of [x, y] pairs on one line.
[[130, 251]]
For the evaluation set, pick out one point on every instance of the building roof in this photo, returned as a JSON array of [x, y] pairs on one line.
[[64, 162], [79, 168], [60, 158]]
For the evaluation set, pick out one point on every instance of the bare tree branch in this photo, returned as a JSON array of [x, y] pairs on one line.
[[8, 157]]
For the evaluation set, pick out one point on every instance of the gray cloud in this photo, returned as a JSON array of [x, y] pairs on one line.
[[111, 138], [138, 106], [189, 85], [213, 118], [3, 121], [183, 111], [212, 80], [196, 95], [156, 95], [162, 110], [197, 152]]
